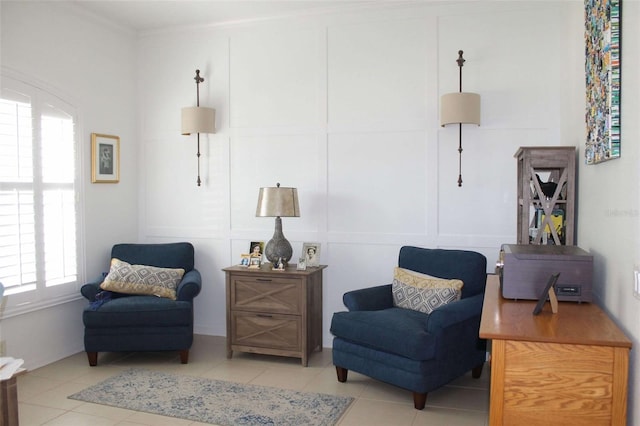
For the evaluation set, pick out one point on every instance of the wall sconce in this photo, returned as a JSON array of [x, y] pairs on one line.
[[198, 119], [461, 108], [278, 202]]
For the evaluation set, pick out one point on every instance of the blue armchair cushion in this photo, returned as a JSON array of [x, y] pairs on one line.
[[126, 278], [138, 310], [387, 330]]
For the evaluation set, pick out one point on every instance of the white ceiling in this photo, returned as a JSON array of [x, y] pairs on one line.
[[146, 15]]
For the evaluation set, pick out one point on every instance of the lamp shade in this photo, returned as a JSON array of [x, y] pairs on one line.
[[461, 107], [278, 202], [198, 120]]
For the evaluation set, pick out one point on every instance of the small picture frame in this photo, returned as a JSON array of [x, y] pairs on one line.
[[245, 259], [105, 158], [548, 289], [254, 262], [256, 249], [302, 264], [311, 254]]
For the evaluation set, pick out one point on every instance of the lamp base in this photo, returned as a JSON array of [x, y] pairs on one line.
[[278, 246]]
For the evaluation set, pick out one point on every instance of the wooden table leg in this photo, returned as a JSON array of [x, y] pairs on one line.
[[9, 402]]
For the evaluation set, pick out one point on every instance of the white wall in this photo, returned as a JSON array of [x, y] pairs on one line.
[[345, 108], [94, 65]]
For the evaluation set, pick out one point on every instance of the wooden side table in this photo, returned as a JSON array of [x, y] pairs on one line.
[[9, 400], [568, 368], [274, 312]]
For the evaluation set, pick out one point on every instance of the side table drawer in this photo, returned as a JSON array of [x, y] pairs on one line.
[[266, 330], [277, 295]]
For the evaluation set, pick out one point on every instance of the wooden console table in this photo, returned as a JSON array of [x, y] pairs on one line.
[[274, 312], [569, 368]]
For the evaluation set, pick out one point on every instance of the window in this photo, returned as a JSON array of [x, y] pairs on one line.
[[39, 215]]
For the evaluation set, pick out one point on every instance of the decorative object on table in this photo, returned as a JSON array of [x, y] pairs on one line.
[[214, 401], [460, 108], [9, 366], [546, 195], [602, 71], [255, 262], [279, 266], [548, 188], [549, 292], [105, 158], [198, 119], [256, 249], [311, 253], [245, 258], [278, 202], [302, 264]]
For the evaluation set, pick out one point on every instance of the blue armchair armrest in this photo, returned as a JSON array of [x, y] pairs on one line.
[[369, 299], [456, 327], [190, 286], [90, 289], [455, 313]]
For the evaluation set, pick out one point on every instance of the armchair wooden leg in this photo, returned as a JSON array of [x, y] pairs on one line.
[[342, 374], [419, 400], [93, 358], [184, 356], [476, 372]]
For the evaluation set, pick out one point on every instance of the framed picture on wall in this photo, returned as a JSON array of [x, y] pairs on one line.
[[105, 158], [602, 73]]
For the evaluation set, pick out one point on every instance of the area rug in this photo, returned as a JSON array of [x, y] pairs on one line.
[[214, 401]]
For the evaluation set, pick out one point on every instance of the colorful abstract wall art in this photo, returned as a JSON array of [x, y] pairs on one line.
[[602, 69]]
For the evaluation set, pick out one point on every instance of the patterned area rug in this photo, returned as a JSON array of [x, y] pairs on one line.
[[214, 401]]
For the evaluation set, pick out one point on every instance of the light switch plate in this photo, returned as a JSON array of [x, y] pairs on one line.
[[636, 283]]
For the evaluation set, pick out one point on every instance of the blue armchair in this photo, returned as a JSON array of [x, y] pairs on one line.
[[116, 322], [410, 349]]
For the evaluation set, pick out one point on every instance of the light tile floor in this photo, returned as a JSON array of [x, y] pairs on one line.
[[42, 393]]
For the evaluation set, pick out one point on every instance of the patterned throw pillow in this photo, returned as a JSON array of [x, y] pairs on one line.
[[423, 293], [142, 279]]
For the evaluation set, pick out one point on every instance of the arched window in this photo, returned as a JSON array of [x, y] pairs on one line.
[[39, 197]]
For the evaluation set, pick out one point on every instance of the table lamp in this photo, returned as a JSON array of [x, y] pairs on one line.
[[278, 202]]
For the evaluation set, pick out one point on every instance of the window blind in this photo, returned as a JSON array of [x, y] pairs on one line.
[[38, 208]]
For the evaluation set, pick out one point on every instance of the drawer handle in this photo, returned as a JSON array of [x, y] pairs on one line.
[[264, 279], [264, 316]]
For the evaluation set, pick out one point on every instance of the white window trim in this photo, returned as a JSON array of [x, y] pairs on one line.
[[22, 303]]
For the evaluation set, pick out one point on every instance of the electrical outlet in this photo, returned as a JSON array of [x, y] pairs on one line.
[[636, 283]]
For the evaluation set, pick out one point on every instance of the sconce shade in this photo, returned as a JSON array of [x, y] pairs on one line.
[[462, 107], [198, 120], [278, 202]]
